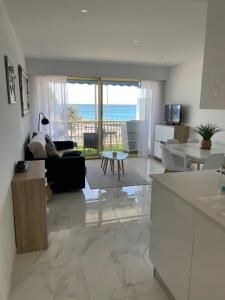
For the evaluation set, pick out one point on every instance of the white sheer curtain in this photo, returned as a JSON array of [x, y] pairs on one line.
[[150, 113], [50, 96]]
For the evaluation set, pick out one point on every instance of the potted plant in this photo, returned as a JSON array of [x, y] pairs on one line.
[[207, 131]]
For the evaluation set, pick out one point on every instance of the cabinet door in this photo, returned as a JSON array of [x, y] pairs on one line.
[[213, 75], [208, 263], [171, 237]]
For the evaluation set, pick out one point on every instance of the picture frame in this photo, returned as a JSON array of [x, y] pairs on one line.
[[24, 91], [10, 81]]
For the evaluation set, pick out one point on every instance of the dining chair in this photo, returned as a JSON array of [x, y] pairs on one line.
[[192, 140], [172, 141], [172, 162], [214, 161], [191, 161], [90, 141]]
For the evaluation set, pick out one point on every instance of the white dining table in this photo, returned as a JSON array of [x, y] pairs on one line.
[[193, 151]]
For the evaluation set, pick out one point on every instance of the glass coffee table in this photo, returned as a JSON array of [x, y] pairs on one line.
[[111, 158]]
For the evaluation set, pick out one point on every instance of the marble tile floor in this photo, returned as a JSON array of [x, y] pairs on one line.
[[98, 247]]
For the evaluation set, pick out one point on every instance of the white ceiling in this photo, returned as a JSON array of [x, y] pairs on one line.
[[169, 31]]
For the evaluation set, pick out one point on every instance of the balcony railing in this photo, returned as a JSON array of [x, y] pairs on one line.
[[112, 135]]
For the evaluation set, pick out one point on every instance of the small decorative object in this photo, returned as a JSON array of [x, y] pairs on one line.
[[21, 166], [24, 91], [207, 131], [10, 81], [114, 154], [43, 121]]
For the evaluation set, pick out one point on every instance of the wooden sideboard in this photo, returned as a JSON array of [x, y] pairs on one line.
[[29, 204]]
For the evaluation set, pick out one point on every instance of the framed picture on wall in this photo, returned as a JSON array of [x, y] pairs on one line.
[[10, 80], [24, 91]]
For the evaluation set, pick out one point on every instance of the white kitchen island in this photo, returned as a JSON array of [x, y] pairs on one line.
[[187, 238]]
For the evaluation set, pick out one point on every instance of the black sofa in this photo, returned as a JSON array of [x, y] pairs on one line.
[[63, 173]]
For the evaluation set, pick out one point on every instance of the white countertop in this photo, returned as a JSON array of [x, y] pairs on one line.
[[199, 189]]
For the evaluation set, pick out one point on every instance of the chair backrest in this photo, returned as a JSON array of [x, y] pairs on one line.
[[167, 159], [214, 161], [173, 162], [172, 141], [90, 140], [193, 140]]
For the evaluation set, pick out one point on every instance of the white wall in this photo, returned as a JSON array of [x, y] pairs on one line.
[[184, 87], [95, 69], [13, 130]]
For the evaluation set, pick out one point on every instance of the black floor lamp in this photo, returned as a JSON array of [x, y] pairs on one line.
[[43, 121]]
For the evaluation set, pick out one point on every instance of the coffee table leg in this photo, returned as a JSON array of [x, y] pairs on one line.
[[118, 166], [110, 164], [106, 164], [102, 162], [122, 166]]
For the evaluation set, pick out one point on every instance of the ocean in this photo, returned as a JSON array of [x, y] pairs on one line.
[[111, 112]]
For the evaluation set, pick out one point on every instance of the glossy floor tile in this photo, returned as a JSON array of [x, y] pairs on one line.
[[98, 246]]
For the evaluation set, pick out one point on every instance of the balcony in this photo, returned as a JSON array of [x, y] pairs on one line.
[[112, 135]]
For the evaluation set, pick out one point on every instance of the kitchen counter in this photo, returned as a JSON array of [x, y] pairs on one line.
[[187, 235], [200, 189]]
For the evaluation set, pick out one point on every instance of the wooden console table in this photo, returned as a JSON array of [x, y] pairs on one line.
[[29, 204]]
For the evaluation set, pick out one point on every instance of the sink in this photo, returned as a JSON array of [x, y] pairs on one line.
[[216, 202]]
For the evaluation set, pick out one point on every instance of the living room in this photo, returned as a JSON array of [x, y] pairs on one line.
[[95, 244]]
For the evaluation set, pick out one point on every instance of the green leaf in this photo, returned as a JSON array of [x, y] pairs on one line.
[[207, 131]]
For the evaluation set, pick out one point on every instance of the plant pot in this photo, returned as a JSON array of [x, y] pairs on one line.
[[206, 144]]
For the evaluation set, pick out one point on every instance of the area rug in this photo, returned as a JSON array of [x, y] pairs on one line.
[[97, 180]]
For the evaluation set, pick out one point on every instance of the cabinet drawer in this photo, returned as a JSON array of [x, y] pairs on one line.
[[164, 133]]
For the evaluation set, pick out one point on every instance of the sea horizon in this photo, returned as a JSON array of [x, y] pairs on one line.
[[111, 112]]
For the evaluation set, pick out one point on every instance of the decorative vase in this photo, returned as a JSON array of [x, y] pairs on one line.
[[114, 154], [206, 144]]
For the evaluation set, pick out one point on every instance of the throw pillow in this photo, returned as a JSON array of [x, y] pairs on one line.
[[50, 141], [51, 151], [37, 146]]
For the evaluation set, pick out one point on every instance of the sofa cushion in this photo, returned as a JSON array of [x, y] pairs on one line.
[[37, 146], [71, 153], [49, 140], [51, 151]]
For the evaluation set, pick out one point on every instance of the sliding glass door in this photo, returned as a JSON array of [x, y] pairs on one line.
[[83, 123], [98, 110], [120, 100]]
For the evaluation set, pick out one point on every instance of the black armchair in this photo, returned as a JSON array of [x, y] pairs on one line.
[[66, 173]]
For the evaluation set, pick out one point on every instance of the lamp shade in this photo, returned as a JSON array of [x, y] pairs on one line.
[[44, 121]]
